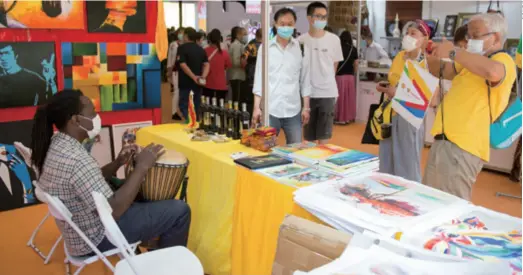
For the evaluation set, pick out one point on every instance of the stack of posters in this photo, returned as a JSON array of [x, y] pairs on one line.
[[471, 232], [261, 162], [298, 175], [378, 260], [376, 202], [316, 154], [286, 150]]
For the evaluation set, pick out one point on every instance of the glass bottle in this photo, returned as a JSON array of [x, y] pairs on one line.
[[221, 118], [230, 120], [201, 114], [236, 134], [245, 117], [214, 112]]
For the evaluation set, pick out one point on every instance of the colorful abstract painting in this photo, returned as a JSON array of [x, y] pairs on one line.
[[320, 152], [116, 76], [292, 148], [350, 157], [308, 178], [414, 93], [16, 173], [277, 172], [477, 234], [42, 14]]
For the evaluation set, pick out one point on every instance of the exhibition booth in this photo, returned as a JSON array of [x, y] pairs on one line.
[[247, 220]]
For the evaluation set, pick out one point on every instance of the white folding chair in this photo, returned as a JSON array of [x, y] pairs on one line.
[[60, 212], [40, 195], [168, 261]]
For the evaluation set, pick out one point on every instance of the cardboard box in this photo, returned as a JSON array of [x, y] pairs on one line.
[[305, 245]]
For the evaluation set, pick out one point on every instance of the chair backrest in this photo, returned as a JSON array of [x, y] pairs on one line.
[[60, 212], [40, 194], [112, 230]]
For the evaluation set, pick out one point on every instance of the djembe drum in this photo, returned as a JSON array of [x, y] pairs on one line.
[[163, 181]]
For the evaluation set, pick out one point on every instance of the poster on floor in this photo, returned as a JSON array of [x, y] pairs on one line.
[[27, 73], [414, 93], [123, 135], [42, 14], [115, 76], [100, 147], [116, 16], [16, 174]]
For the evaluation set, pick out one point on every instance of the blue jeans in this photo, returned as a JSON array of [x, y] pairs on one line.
[[291, 127], [184, 100], [168, 219]]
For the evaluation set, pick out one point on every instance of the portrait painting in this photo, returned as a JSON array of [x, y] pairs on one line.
[[27, 73], [116, 16], [125, 134], [115, 76], [16, 174], [42, 14]]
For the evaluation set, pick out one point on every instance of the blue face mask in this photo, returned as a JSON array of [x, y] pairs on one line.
[[285, 32], [363, 44], [180, 36], [320, 24]]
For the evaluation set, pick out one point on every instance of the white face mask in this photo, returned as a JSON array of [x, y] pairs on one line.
[[409, 43], [97, 126], [475, 46]]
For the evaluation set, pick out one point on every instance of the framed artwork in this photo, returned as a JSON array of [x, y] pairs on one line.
[[116, 16], [464, 18], [16, 174], [511, 46], [449, 28], [125, 134], [433, 25], [116, 76], [42, 14], [101, 147], [27, 73]]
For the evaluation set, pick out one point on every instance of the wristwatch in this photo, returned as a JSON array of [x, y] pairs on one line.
[[452, 55]]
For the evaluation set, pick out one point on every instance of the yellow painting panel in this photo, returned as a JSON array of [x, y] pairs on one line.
[[134, 59], [38, 14]]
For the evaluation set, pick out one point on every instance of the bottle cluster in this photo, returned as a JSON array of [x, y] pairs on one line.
[[223, 120]]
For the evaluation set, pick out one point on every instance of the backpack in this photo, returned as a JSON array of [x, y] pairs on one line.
[[507, 127], [382, 115]]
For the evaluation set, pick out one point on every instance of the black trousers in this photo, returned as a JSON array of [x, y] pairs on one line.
[[219, 94]]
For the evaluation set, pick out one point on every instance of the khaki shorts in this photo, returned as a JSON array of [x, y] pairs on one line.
[[452, 169]]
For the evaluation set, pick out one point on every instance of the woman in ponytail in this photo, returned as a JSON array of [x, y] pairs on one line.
[[57, 112], [346, 105], [219, 62]]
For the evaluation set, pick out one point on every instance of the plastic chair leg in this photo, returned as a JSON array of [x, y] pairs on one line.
[[31, 244], [48, 258]]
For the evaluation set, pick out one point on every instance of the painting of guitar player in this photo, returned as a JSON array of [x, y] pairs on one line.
[[116, 16], [16, 174]]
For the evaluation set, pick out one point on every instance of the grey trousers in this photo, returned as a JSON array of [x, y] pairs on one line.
[[452, 169], [168, 219], [400, 155]]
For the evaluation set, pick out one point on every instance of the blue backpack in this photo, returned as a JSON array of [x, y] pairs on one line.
[[507, 128]]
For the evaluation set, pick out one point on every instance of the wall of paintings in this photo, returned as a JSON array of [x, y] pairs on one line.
[[104, 48]]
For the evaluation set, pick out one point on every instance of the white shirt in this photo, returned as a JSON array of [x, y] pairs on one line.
[[375, 52], [288, 75], [171, 61], [323, 53]]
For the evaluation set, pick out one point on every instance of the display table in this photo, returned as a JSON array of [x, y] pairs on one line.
[[211, 189], [261, 204]]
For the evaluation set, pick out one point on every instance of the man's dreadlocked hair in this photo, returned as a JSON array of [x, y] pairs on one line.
[[58, 111]]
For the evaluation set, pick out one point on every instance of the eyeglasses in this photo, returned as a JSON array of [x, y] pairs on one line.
[[469, 37], [320, 16]]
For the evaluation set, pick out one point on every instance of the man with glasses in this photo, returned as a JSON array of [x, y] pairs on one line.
[[324, 52], [482, 77]]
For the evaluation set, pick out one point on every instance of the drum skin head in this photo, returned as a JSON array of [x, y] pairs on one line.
[[171, 157]]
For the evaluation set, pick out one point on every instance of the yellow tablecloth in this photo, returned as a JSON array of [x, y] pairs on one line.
[[260, 206], [211, 189]]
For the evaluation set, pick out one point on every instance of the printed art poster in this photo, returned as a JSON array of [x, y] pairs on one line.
[[123, 135], [116, 16], [42, 14], [474, 233], [414, 93], [16, 176], [27, 73]]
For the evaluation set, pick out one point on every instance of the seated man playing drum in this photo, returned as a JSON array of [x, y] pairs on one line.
[[70, 173]]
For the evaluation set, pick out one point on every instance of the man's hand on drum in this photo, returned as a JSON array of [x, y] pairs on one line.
[[126, 153], [148, 156]]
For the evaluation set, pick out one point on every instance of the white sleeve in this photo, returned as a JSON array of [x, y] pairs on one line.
[[257, 85], [382, 53], [337, 51], [305, 75]]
